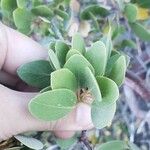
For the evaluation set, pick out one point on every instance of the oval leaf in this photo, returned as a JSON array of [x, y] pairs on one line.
[[87, 80], [61, 49], [22, 20], [113, 145], [102, 114], [108, 42], [108, 88], [36, 73], [8, 6], [30, 142], [95, 10], [53, 105], [78, 43], [72, 62], [71, 53], [140, 31], [61, 13], [53, 59], [42, 10], [131, 12], [66, 143], [63, 78], [143, 3], [23, 3], [97, 56], [118, 71]]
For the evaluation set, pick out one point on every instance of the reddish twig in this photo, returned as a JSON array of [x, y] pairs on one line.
[[137, 85]]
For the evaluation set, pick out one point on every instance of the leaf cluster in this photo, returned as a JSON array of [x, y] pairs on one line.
[[76, 73]]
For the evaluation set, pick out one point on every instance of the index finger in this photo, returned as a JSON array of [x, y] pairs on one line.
[[17, 49]]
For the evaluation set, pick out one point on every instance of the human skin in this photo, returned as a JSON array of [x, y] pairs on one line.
[[17, 49]]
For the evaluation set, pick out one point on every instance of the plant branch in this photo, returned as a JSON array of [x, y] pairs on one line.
[[84, 139], [137, 85]]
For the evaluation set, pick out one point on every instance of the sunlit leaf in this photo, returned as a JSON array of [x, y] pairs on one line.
[[143, 13]]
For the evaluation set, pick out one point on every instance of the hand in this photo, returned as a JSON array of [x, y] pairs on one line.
[[15, 50]]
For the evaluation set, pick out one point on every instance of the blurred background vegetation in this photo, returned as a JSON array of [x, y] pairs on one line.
[[49, 20]]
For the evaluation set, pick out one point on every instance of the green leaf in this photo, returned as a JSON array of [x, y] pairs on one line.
[[140, 31], [95, 10], [46, 89], [53, 59], [128, 43], [108, 42], [36, 73], [87, 80], [63, 78], [111, 61], [97, 56], [30, 142], [78, 43], [66, 143], [22, 3], [61, 13], [42, 10], [52, 46], [108, 88], [61, 49], [71, 53], [118, 70], [53, 105], [8, 6], [22, 20], [94, 21], [113, 145], [102, 113], [143, 3], [36, 2], [76, 64], [131, 11]]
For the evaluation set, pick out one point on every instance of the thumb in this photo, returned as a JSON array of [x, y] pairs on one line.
[[14, 112]]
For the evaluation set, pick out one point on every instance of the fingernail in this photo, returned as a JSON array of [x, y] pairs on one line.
[[83, 116]]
